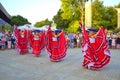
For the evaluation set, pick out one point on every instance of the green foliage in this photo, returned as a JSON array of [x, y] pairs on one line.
[[42, 23], [116, 30], [118, 6], [67, 9], [73, 26], [105, 16], [72, 12], [61, 23], [110, 17], [69, 15], [72, 9], [97, 13], [6, 27], [19, 20]]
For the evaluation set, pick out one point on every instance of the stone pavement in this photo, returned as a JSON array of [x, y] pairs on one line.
[[26, 67]]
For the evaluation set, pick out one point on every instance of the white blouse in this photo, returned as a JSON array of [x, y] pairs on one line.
[[36, 38], [22, 35], [92, 40], [54, 39]]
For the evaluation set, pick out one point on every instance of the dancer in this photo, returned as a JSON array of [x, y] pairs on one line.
[[21, 40], [37, 42], [95, 48], [56, 45]]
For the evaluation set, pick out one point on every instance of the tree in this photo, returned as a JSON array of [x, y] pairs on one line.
[[42, 23], [73, 26], [111, 17], [19, 20], [7, 27], [61, 23], [118, 6], [98, 11], [72, 11], [105, 16]]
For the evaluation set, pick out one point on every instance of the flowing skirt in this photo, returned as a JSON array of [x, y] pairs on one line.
[[36, 48], [56, 49]]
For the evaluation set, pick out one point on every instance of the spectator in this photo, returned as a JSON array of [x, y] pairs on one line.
[[114, 36], [3, 40], [118, 41]]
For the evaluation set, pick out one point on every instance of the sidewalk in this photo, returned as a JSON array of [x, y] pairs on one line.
[[26, 67]]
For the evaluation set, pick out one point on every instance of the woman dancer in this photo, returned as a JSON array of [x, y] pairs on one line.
[[95, 48], [37, 42], [56, 45], [21, 40]]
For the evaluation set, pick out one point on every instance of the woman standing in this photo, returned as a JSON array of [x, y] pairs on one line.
[[56, 45], [95, 48], [37, 42], [21, 40]]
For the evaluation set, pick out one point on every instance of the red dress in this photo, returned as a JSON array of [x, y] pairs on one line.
[[37, 44], [96, 55], [56, 47], [21, 41]]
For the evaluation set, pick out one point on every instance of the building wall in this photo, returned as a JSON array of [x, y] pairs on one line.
[[88, 13], [4, 17], [118, 17]]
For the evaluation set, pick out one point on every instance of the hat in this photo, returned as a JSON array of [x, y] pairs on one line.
[[37, 31], [92, 29], [57, 31]]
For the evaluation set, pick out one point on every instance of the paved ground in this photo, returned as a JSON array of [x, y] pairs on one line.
[[26, 67]]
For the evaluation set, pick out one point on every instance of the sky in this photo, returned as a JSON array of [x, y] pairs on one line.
[[37, 10], [110, 2], [33, 10]]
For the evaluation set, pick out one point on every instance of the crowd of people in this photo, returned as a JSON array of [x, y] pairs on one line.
[[7, 40], [74, 40], [114, 40], [95, 44]]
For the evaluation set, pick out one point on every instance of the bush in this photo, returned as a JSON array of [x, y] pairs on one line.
[[6, 27], [116, 30]]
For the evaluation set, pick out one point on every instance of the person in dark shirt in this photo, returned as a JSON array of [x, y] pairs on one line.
[[118, 41]]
